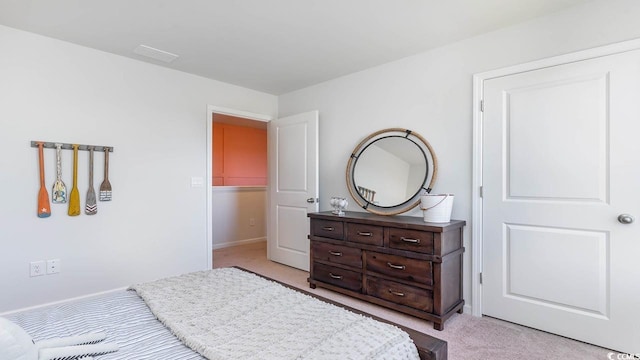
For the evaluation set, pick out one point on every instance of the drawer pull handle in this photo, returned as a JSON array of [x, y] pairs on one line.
[[335, 253], [339, 277], [361, 233], [409, 240], [327, 228], [398, 267], [396, 293]]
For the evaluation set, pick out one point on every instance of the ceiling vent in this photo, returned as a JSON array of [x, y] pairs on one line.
[[153, 53]]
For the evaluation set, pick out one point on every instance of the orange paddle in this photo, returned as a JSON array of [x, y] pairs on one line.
[[44, 208], [74, 199]]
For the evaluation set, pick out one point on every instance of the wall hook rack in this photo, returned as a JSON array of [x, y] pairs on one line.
[[67, 146]]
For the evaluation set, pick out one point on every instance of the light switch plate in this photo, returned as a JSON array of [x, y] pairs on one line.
[[53, 266], [197, 182]]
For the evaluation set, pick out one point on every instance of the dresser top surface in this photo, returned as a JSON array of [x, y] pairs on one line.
[[399, 221]]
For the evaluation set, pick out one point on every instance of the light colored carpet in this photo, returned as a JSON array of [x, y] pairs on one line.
[[469, 338]]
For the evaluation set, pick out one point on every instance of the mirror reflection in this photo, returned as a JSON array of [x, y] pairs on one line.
[[390, 171]]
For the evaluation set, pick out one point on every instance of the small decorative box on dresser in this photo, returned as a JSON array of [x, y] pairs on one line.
[[400, 262]]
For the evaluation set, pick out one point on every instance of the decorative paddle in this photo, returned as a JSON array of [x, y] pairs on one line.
[[105, 187], [59, 191], [74, 198], [91, 208], [44, 208]]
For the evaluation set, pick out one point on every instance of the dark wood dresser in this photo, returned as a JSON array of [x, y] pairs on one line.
[[400, 262]]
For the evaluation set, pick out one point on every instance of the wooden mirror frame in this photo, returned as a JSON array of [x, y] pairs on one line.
[[410, 203]]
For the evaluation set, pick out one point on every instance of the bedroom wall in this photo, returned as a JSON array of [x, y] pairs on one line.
[[431, 93], [156, 120], [239, 215]]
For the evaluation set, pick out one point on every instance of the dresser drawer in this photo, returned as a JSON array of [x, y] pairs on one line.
[[339, 277], [337, 254], [365, 234], [400, 267], [412, 240], [327, 228], [421, 299]]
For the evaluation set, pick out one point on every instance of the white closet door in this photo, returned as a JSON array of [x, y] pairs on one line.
[[561, 163]]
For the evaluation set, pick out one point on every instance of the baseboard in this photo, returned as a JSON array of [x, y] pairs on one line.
[[467, 309], [238, 242], [62, 301]]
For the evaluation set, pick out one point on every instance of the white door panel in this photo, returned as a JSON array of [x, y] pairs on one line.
[[584, 281], [293, 179], [289, 228], [560, 162], [569, 130]]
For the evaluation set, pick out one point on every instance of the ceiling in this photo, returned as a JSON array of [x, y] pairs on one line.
[[273, 46]]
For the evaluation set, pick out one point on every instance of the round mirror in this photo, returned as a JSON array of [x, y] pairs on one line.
[[389, 170]]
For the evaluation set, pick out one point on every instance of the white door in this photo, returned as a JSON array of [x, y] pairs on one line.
[[293, 187], [561, 162]]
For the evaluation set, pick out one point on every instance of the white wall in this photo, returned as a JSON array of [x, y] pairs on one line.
[[431, 93], [156, 119], [235, 209]]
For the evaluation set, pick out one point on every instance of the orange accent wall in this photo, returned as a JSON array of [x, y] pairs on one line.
[[239, 155]]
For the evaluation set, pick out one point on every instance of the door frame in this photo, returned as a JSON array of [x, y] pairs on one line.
[[478, 95], [211, 109]]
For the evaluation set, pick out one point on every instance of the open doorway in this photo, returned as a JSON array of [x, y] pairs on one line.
[[239, 200], [237, 178]]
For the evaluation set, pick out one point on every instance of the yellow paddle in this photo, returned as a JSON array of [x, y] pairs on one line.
[[74, 199]]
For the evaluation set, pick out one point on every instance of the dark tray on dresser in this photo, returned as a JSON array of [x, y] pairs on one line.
[[400, 262]]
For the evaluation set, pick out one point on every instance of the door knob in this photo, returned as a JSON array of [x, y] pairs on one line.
[[311, 200], [626, 218]]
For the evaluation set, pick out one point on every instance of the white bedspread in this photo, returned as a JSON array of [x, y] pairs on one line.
[[233, 314]]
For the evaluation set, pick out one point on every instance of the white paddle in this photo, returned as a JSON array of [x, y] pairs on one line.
[[59, 191], [91, 208]]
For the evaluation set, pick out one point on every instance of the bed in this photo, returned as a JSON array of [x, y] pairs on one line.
[[227, 313]]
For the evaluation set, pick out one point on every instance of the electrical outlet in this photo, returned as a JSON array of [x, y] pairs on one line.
[[53, 266], [38, 268], [252, 222]]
